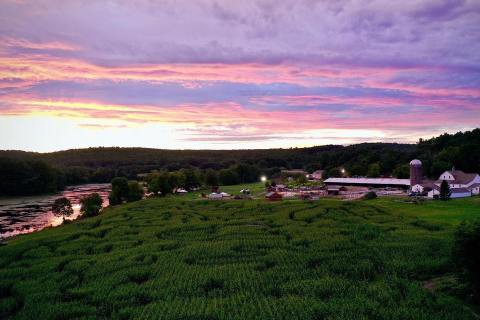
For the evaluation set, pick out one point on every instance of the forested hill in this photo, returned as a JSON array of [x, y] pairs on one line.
[[461, 150]]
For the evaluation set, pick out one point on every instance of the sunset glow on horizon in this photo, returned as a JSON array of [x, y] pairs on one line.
[[235, 74]]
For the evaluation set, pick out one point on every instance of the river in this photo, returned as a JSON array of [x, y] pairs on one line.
[[21, 215]]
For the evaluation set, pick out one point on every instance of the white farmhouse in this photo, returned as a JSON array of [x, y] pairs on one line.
[[461, 184]]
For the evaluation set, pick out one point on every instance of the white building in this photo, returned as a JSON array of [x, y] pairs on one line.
[[418, 188], [215, 196], [218, 196], [370, 182], [461, 184]]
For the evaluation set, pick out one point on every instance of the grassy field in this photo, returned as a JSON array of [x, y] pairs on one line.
[[185, 258]]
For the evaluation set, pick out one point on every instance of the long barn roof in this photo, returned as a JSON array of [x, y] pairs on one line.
[[370, 181]]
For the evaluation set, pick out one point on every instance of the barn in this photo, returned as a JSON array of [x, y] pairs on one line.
[[370, 182]]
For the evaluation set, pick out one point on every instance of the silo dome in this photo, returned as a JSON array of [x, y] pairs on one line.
[[415, 162]]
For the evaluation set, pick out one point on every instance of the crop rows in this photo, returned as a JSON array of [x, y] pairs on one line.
[[193, 259]]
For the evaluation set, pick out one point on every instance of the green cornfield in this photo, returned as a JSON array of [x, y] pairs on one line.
[[185, 258]]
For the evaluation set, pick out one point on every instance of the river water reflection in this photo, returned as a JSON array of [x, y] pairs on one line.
[[28, 214]]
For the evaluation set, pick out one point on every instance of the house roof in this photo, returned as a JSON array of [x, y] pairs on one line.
[[370, 181], [428, 184], [461, 177]]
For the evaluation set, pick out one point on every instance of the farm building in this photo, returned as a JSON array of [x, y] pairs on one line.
[[215, 196], [415, 179], [218, 196], [370, 182], [461, 184], [335, 190], [273, 196]]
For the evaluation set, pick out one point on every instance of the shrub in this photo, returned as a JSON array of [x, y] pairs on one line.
[[91, 205], [370, 195], [466, 254]]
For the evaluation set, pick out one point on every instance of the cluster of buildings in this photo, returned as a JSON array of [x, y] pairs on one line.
[[461, 184]]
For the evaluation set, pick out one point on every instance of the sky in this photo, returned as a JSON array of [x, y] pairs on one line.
[[228, 74]]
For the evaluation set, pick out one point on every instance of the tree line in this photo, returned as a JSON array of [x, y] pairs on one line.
[[165, 182], [23, 173]]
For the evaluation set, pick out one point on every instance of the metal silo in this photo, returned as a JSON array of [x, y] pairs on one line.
[[415, 172]]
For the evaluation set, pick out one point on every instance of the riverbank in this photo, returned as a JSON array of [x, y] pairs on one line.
[[20, 215]]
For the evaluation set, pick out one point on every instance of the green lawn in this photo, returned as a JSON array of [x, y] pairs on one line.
[[185, 258]]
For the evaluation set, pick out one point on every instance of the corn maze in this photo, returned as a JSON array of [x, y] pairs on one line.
[[177, 258]]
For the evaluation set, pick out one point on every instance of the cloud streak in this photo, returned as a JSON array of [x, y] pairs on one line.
[[228, 73]]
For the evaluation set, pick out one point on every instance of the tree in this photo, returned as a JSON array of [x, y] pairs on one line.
[[333, 173], [211, 178], [246, 172], [119, 191], [102, 175], [62, 207], [401, 171], [228, 177], [163, 183], [176, 179], [374, 170], [114, 198], [120, 186], [91, 205], [159, 183], [444, 190], [192, 178], [466, 254], [135, 191], [19, 177]]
